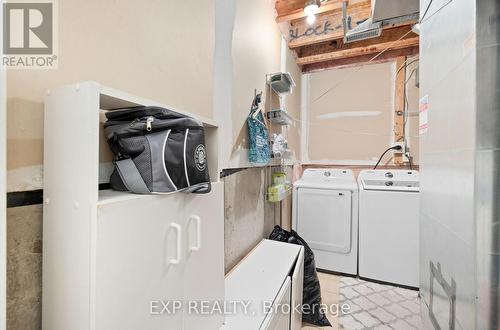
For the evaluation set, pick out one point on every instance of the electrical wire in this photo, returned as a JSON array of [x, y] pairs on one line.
[[383, 154], [409, 161], [422, 20], [406, 64], [426, 10], [434, 13], [361, 67]]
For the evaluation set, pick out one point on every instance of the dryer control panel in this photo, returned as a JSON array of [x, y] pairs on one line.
[[325, 174]]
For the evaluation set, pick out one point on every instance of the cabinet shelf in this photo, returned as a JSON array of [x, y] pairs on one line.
[[109, 196]]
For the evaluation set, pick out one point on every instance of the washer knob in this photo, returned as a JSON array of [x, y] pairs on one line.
[[389, 175]]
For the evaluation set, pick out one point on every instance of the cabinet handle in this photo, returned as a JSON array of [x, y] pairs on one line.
[[178, 230], [198, 233]]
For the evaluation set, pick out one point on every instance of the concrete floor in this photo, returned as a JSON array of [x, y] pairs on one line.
[[371, 305]]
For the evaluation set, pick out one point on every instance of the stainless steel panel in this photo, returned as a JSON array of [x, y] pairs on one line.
[[488, 238], [386, 9], [488, 97], [487, 188], [448, 71]]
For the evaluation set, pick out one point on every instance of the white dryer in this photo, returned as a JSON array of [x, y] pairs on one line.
[[325, 215], [389, 226]]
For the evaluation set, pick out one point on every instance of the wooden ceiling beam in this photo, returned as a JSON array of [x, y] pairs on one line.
[[299, 13], [389, 55], [338, 44], [328, 26], [358, 51]]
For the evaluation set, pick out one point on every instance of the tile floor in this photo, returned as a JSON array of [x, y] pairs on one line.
[[371, 305]]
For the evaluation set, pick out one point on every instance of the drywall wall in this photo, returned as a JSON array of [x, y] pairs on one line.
[[168, 57], [256, 51], [293, 104], [349, 113]]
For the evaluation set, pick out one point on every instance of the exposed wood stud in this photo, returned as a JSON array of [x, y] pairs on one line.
[[399, 106]]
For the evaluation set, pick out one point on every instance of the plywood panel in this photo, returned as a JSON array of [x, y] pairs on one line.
[[161, 50], [350, 113]]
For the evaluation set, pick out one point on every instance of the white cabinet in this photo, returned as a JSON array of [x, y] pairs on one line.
[[204, 259], [155, 249], [112, 258], [270, 278], [279, 319]]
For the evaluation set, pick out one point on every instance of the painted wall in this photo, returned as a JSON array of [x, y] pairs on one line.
[[162, 51], [248, 46], [256, 51], [349, 114]]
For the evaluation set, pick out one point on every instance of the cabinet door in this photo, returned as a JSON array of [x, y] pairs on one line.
[[279, 317], [297, 291], [137, 263], [204, 267]]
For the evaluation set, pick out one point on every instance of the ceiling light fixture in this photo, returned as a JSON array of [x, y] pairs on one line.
[[310, 9]]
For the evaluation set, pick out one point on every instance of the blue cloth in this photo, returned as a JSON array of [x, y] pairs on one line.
[[258, 137]]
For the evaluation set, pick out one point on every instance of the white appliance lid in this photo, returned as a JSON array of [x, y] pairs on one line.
[[390, 180]]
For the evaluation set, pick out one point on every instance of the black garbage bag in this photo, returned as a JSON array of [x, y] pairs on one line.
[[311, 298]]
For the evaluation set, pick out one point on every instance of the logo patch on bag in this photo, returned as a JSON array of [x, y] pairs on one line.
[[200, 157]]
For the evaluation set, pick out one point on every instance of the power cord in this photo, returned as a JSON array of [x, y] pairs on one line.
[[398, 147], [409, 161]]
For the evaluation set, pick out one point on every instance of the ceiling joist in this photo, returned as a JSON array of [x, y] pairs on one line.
[[358, 51], [321, 45], [289, 10], [327, 27], [388, 55]]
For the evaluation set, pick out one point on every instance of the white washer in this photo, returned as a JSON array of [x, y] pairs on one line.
[[389, 226], [325, 214]]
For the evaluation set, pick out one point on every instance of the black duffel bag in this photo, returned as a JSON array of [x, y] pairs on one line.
[[157, 151]]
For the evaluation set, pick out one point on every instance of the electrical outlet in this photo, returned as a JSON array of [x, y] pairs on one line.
[[403, 149]]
